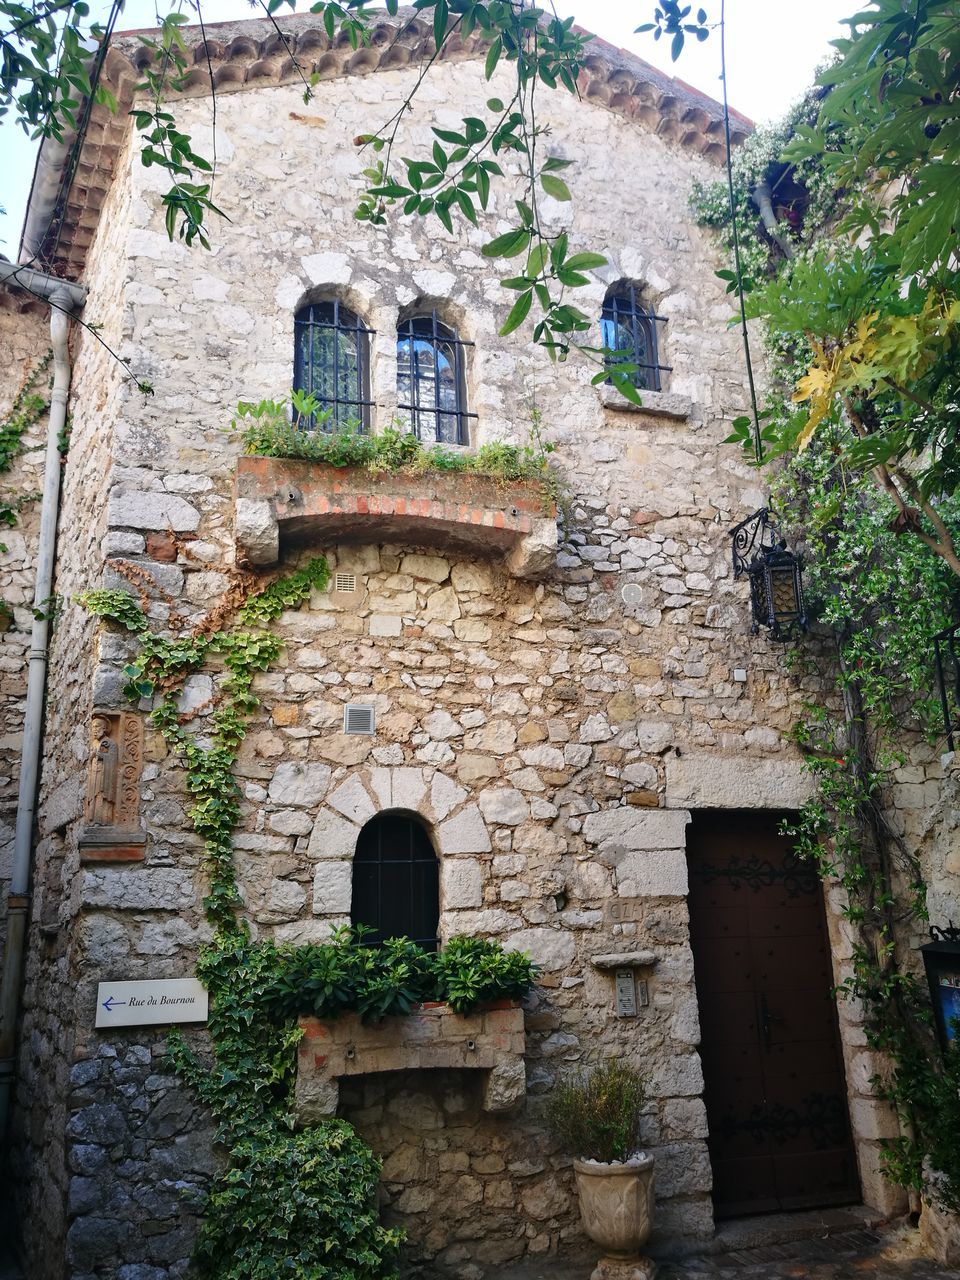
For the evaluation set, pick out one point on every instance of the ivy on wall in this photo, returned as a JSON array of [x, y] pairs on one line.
[[288, 1202], [29, 406], [877, 592], [299, 1203]]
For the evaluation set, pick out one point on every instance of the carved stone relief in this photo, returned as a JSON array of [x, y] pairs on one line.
[[112, 830]]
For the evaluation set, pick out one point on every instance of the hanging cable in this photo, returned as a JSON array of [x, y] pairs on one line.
[[757, 443]]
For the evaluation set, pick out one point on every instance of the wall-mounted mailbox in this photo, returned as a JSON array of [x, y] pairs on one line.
[[626, 994], [630, 992], [941, 959]]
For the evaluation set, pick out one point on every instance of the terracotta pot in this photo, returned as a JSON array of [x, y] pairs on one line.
[[616, 1205]]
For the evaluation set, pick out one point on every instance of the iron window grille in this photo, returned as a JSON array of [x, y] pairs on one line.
[[396, 881], [332, 361], [629, 335], [946, 653], [431, 381]]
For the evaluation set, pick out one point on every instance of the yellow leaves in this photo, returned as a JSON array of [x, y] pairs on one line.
[[894, 350]]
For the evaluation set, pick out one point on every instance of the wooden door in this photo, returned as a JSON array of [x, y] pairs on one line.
[[775, 1091]]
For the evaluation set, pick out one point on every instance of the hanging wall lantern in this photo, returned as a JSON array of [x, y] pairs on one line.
[[775, 573], [941, 959]]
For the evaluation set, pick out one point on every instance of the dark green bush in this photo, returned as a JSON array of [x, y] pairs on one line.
[[378, 982], [297, 1204]]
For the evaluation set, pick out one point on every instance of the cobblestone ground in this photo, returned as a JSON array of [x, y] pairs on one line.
[[861, 1254], [853, 1255]]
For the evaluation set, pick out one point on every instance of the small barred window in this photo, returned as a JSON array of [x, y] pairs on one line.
[[332, 361], [629, 336], [431, 381], [396, 881]]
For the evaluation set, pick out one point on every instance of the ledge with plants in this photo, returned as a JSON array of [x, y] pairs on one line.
[[399, 1008], [297, 480]]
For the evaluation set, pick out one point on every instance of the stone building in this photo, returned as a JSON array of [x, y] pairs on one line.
[[571, 716]]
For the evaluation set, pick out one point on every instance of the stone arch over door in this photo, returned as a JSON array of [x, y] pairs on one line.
[[456, 826]]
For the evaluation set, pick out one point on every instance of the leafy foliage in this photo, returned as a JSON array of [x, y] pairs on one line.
[[301, 1203], [383, 981], [597, 1117], [29, 406], [265, 429]]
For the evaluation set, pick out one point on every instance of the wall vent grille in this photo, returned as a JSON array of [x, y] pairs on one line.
[[345, 582], [359, 718]]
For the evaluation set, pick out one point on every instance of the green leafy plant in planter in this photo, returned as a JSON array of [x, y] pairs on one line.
[[297, 428], [474, 971], [597, 1116], [346, 975]]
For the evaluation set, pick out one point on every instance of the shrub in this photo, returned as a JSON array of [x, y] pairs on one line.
[[324, 979], [597, 1117], [268, 430], [300, 1204], [472, 971]]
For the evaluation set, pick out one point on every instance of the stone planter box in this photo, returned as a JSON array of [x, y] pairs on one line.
[[491, 1040], [282, 498]]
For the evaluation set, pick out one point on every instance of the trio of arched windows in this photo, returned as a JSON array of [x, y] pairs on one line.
[[332, 360]]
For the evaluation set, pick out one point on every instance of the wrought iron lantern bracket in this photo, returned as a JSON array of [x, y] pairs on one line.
[[760, 553]]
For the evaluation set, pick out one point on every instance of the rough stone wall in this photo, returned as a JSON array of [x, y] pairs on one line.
[[49, 1026], [24, 336], [535, 728]]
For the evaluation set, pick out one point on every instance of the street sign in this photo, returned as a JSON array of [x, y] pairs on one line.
[[133, 1004]]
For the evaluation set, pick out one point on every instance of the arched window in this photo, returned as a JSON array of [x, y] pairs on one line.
[[630, 329], [431, 381], [332, 360], [396, 881]]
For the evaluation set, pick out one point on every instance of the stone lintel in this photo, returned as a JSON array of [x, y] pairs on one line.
[[282, 498], [655, 404], [741, 782], [491, 1040], [627, 828], [625, 960]]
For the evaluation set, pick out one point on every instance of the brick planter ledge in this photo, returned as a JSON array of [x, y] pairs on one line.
[[296, 500], [490, 1040]]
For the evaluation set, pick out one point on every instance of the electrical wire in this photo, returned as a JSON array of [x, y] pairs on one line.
[[757, 442]]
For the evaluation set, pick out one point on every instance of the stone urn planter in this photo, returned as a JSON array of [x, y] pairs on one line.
[[616, 1207], [596, 1118]]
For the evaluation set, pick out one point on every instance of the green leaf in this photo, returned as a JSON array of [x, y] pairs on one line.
[[518, 313], [508, 245], [586, 261], [555, 187], [493, 57]]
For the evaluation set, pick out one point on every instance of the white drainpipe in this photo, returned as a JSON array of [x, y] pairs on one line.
[[63, 297]]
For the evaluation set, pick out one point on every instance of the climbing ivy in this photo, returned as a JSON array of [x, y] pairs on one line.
[[288, 1202], [877, 591], [29, 406], [298, 1203]]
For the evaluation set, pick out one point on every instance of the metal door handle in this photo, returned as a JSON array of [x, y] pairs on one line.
[[766, 1018]]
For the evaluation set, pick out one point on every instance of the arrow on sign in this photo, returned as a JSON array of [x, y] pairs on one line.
[[111, 1001]]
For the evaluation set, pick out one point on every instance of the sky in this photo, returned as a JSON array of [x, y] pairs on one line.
[[773, 49]]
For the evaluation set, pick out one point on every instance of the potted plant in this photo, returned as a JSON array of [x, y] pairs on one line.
[[596, 1118]]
